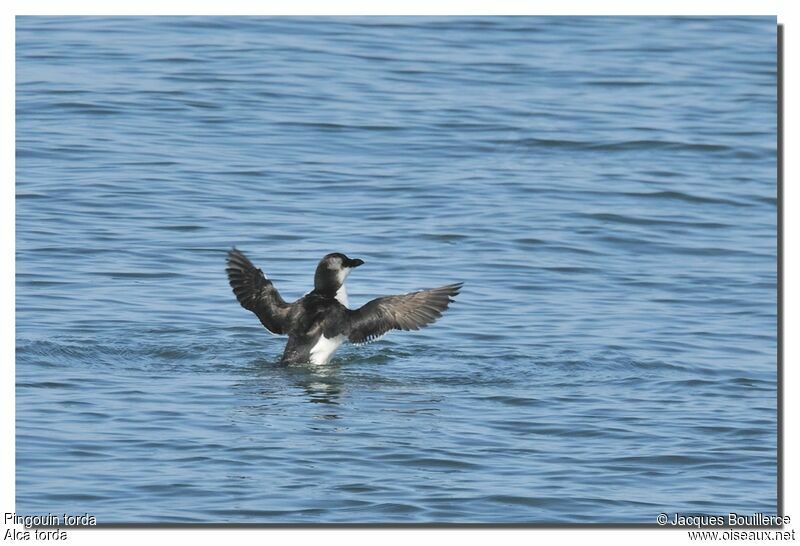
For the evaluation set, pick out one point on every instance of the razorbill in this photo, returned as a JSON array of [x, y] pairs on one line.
[[319, 322]]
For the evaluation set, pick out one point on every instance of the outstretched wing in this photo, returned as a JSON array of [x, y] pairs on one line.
[[407, 312], [256, 293]]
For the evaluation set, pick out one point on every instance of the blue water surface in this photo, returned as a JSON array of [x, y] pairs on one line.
[[605, 187]]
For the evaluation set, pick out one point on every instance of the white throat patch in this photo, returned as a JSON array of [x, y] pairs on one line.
[[342, 274]]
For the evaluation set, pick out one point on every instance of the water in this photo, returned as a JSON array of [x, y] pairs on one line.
[[605, 187]]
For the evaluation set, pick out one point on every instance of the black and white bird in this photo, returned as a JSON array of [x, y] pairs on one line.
[[319, 322]]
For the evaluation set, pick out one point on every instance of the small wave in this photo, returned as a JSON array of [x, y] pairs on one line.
[[136, 274], [661, 145], [572, 269], [639, 221], [515, 400], [184, 228], [86, 108], [445, 237], [529, 241], [175, 60], [627, 145], [621, 83], [47, 385], [685, 197], [340, 126], [524, 501]]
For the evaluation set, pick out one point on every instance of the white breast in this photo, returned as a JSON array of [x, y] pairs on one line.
[[341, 295], [322, 352]]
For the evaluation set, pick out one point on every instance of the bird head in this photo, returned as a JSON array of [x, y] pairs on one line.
[[332, 271]]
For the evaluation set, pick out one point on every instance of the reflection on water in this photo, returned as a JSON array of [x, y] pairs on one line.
[[321, 384], [322, 389]]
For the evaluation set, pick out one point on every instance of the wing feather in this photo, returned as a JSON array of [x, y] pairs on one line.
[[256, 293], [404, 312]]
